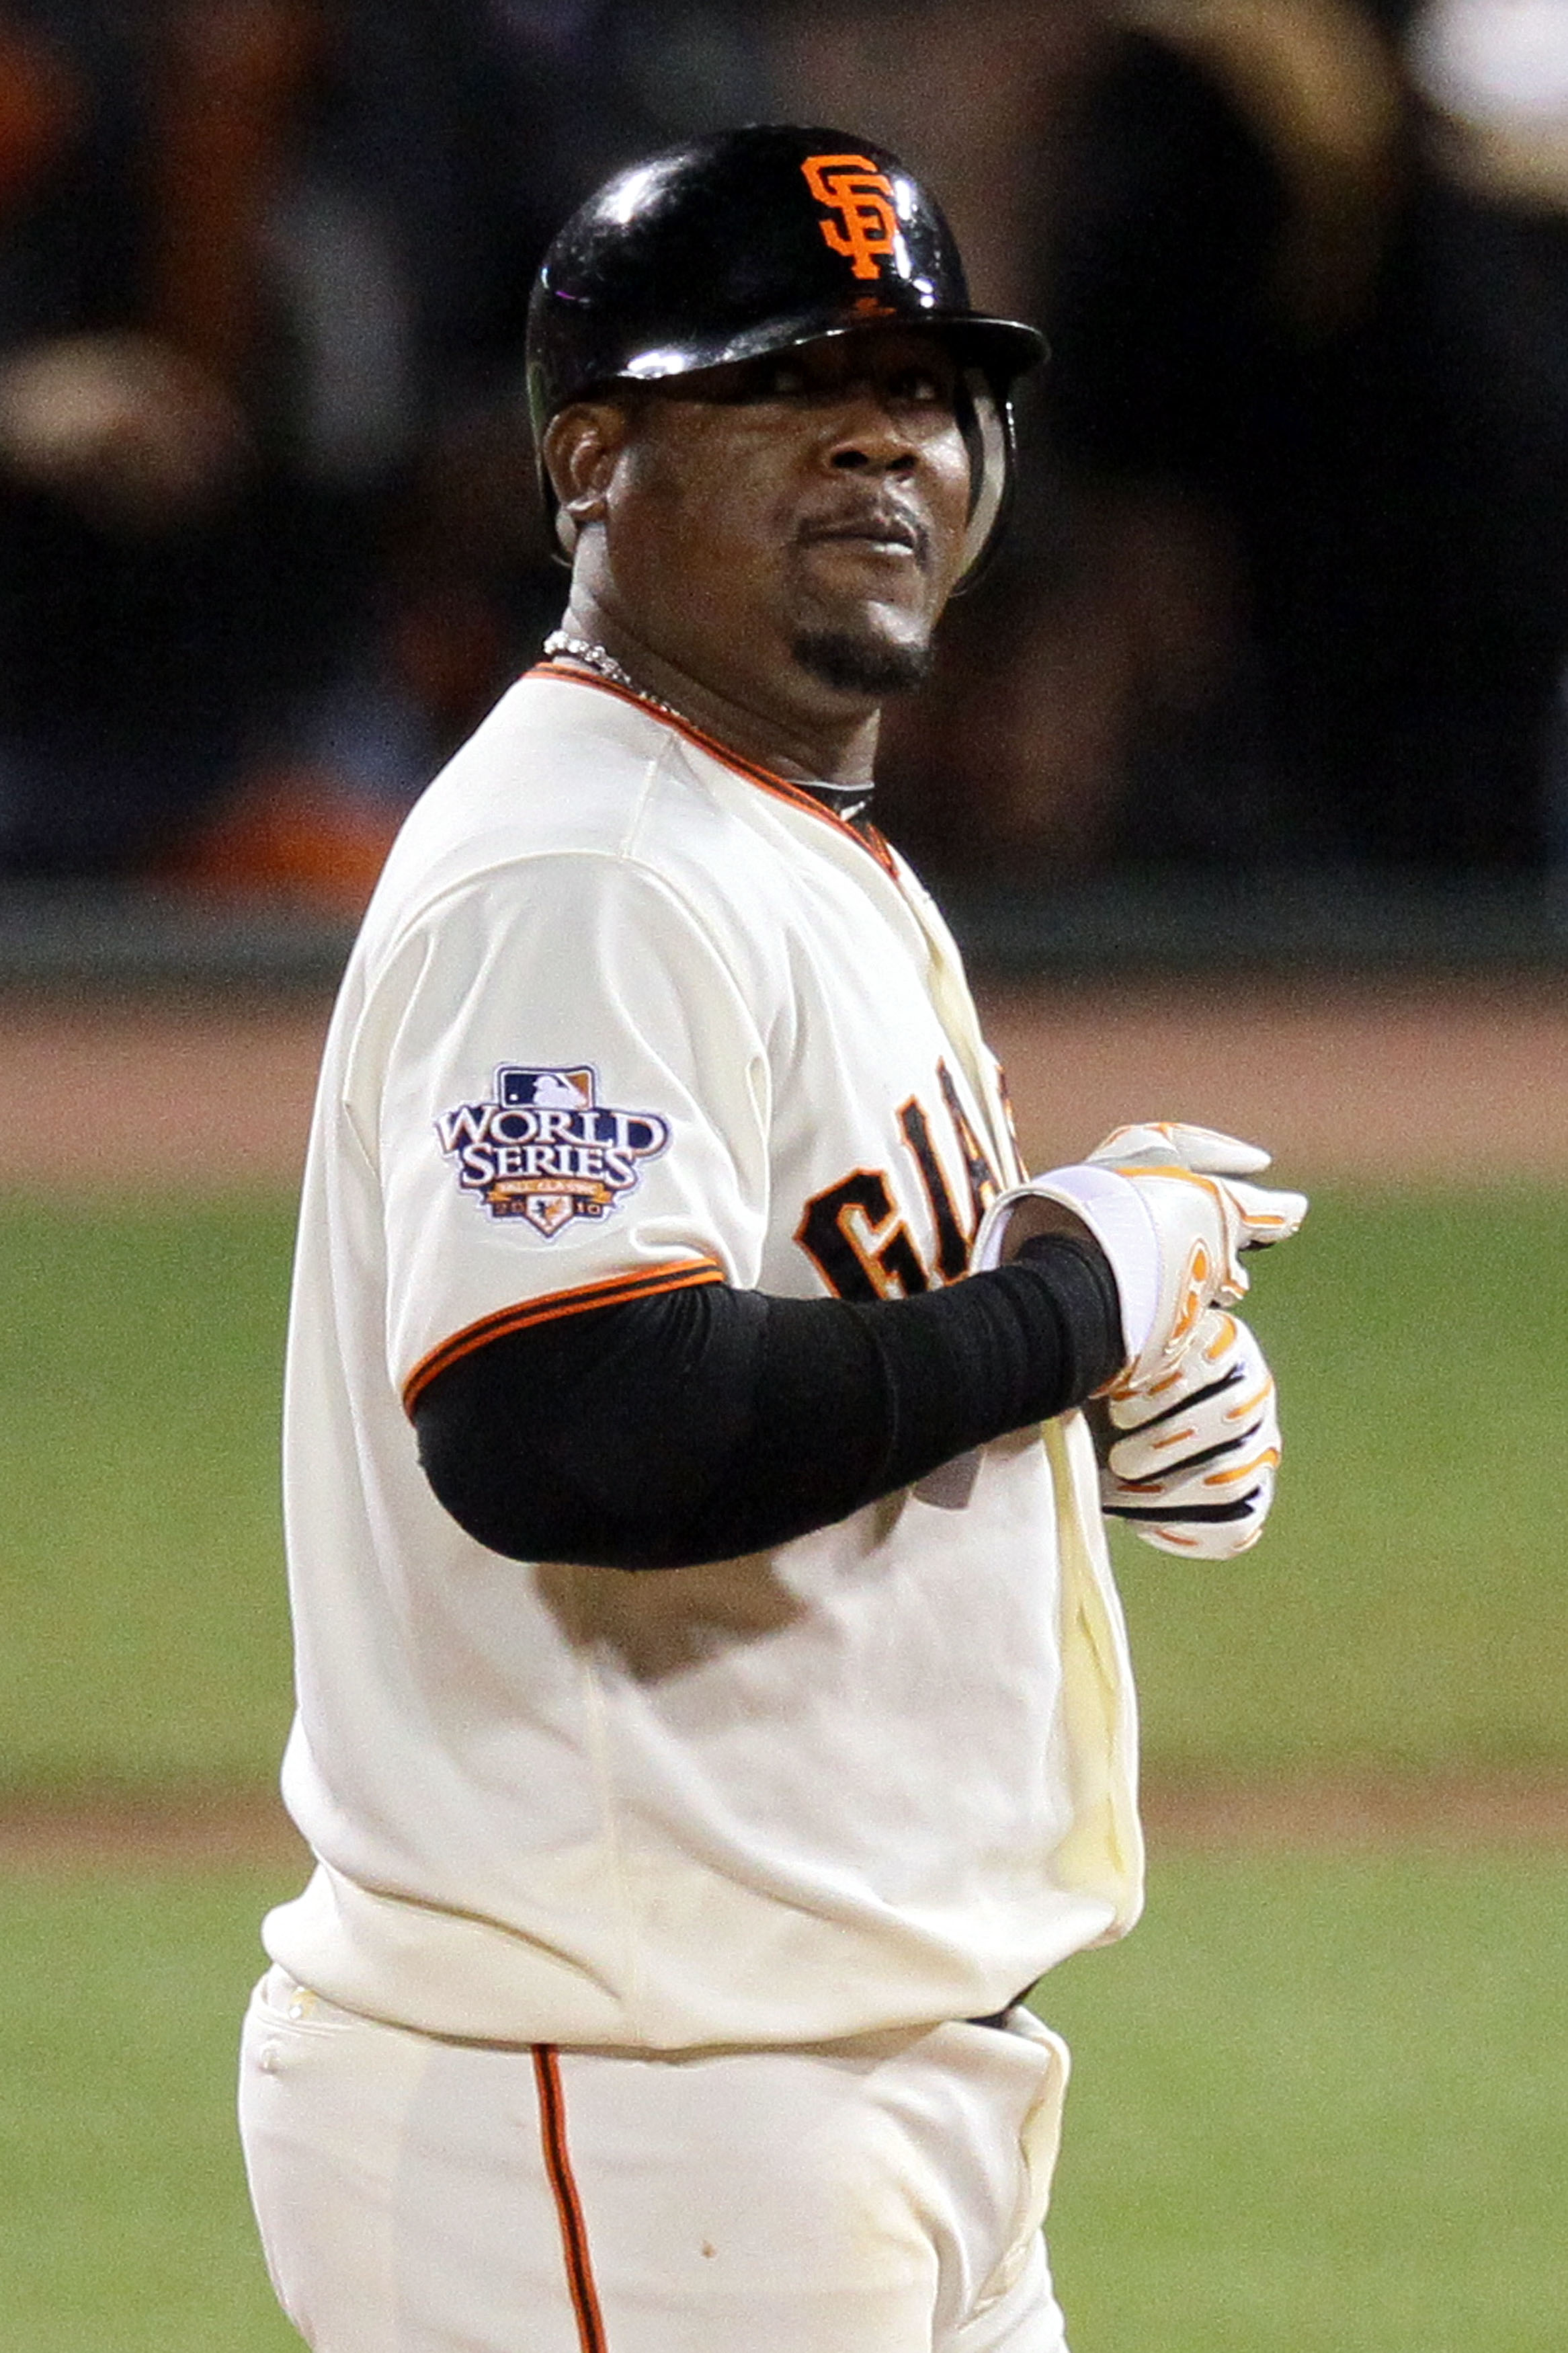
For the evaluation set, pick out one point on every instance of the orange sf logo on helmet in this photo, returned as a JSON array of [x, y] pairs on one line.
[[851, 186]]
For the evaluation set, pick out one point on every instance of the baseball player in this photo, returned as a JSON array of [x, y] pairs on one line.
[[713, 1705]]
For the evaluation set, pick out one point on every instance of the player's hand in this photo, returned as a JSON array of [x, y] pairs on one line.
[[1189, 1458], [1173, 1210]]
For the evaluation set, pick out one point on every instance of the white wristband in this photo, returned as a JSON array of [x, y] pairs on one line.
[[1117, 1216]]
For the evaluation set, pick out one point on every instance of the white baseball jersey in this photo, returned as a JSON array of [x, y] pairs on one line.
[[626, 1015]]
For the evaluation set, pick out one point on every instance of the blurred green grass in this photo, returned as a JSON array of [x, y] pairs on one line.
[[124, 2226], [141, 1563], [1407, 1609], [1320, 2105]]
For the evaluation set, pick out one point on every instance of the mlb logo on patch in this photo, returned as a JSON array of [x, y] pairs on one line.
[[542, 1147], [556, 1089]]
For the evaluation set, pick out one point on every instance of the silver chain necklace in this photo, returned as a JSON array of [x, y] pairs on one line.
[[847, 802], [589, 655]]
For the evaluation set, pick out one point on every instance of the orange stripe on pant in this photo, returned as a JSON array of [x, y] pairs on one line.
[[591, 2334]]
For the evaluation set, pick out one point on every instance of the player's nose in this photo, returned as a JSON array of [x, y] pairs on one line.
[[869, 434]]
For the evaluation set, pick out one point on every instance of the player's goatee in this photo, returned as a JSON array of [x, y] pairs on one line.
[[859, 667]]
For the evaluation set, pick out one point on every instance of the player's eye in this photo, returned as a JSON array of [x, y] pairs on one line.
[[783, 380], [767, 378], [920, 387]]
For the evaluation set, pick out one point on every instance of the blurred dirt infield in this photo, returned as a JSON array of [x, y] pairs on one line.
[[1467, 1082], [182, 1829], [1422, 1084]]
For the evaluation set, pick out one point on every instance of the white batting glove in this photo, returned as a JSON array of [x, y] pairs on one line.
[[1171, 1208], [1189, 1459]]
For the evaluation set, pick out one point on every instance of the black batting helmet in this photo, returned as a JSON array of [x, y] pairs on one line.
[[752, 241]]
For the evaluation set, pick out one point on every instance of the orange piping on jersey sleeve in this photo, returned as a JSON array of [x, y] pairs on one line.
[[610, 1293], [797, 795]]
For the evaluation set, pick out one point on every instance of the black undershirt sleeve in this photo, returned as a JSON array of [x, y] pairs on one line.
[[701, 1424]]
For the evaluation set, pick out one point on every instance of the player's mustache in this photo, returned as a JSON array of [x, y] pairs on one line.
[[876, 517]]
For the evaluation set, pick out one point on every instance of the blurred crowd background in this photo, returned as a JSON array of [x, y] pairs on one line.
[[1287, 584]]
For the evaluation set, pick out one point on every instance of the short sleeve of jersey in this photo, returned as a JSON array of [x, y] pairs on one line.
[[566, 1106]]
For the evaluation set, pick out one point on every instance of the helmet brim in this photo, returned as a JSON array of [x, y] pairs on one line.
[[1004, 349]]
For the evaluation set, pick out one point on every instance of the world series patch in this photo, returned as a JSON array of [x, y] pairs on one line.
[[544, 1147]]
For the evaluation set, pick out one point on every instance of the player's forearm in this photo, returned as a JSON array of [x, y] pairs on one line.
[[707, 1423]]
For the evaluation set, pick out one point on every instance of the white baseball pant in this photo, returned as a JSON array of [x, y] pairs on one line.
[[883, 2195]]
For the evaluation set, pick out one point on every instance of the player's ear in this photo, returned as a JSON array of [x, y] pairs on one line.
[[581, 445]]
